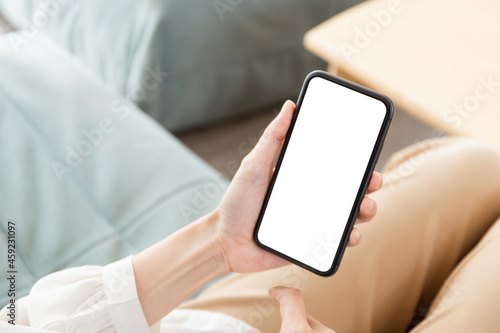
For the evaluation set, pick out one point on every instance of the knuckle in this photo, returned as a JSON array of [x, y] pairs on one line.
[[249, 160]]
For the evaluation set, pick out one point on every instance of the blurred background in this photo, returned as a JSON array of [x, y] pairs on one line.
[[116, 115], [225, 67]]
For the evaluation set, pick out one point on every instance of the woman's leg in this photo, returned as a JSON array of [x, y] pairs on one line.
[[437, 202], [469, 301]]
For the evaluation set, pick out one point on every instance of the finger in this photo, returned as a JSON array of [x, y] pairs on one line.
[[376, 182], [367, 210], [269, 144], [292, 307], [354, 237]]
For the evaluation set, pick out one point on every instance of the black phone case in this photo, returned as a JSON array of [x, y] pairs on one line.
[[366, 177]]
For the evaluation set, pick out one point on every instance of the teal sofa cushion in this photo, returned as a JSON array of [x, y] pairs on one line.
[[86, 177], [186, 62]]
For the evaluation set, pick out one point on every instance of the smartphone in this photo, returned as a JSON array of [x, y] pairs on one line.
[[322, 172]]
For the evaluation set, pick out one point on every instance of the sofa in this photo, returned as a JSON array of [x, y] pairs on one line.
[[88, 172]]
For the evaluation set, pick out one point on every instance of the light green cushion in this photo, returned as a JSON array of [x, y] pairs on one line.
[[128, 188], [223, 57]]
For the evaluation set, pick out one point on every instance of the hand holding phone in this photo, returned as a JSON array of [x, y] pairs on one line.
[[235, 218], [322, 172]]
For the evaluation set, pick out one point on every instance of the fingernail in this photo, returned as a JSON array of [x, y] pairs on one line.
[[273, 294]]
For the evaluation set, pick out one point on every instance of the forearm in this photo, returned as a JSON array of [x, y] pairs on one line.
[[170, 271]]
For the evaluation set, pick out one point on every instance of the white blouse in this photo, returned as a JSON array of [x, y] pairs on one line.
[[92, 299]]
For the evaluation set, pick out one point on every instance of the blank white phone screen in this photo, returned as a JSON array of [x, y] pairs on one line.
[[321, 173]]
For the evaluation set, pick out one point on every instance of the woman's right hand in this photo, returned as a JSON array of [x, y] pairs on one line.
[[294, 318]]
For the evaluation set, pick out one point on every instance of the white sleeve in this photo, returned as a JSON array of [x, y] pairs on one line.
[[17, 313], [88, 299]]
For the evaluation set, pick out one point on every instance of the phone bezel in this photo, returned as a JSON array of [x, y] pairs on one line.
[[366, 177]]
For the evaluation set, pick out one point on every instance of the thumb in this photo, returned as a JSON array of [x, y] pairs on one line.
[[292, 307], [253, 330], [271, 140]]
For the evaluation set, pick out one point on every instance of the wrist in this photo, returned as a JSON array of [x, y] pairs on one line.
[[170, 271], [217, 242]]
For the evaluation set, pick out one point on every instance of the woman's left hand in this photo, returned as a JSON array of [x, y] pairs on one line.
[[238, 212]]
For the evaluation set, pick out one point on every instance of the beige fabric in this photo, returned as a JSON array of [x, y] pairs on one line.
[[440, 197], [435, 59]]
